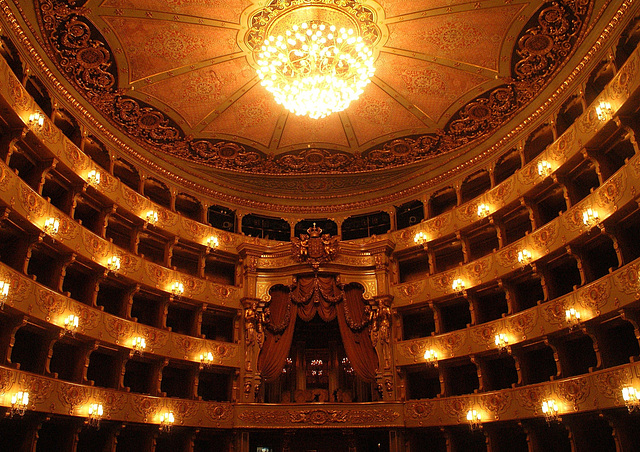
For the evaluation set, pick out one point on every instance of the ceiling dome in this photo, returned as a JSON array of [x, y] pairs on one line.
[[175, 84]]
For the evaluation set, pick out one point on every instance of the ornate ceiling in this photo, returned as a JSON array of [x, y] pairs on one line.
[[177, 78]]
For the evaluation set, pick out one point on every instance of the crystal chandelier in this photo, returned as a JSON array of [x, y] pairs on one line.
[[314, 68]]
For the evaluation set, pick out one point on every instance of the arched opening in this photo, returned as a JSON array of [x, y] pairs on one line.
[[189, 206], [507, 165], [157, 192], [317, 346], [127, 173]]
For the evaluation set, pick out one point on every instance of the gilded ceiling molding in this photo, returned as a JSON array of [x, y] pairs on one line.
[[602, 40], [82, 54]]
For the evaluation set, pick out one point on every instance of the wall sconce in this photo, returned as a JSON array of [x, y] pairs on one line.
[[631, 398], [36, 120], [138, 344], [474, 419], [603, 110], [95, 414], [524, 257], [94, 177], [212, 242], [51, 226], [71, 324], [573, 317], [483, 210], [431, 357], [113, 263], [420, 238], [544, 168], [166, 421], [550, 410], [457, 285], [206, 359], [4, 292], [590, 217], [502, 342], [177, 288], [152, 217], [19, 403]]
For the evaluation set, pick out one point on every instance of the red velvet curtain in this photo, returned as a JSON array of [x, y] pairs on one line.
[[321, 295], [277, 345], [357, 343]]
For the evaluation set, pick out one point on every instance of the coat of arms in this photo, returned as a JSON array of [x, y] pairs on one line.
[[314, 247]]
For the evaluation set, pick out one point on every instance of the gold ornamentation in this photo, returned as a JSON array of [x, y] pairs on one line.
[[315, 248], [83, 55]]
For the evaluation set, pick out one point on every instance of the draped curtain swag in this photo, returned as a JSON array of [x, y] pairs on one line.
[[320, 295]]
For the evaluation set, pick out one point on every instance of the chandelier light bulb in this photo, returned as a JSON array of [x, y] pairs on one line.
[[71, 323], [206, 358], [631, 398], [4, 292], [603, 110], [524, 256], [431, 357], [457, 285], [51, 226], [94, 177], [113, 263], [314, 69], [590, 217], [213, 242], [36, 120], [550, 410], [420, 238], [474, 419], [138, 344], [152, 217], [19, 403], [544, 168]]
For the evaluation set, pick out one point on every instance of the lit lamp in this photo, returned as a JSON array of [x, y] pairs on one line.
[[631, 398], [51, 226], [71, 324], [94, 177], [420, 238], [138, 344], [166, 421], [483, 210], [573, 317], [590, 217], [152, 217], [95, 414], [346, 365], [315, 69], [524, 257], [113, 263], [603, 110], [544, 168], [502, 342], [206, 359], [177, 288], [4, 292], [36, 120], [431, 357], [550, 410], [457, 285], [19, 403], [474, 419], [212, 242]]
